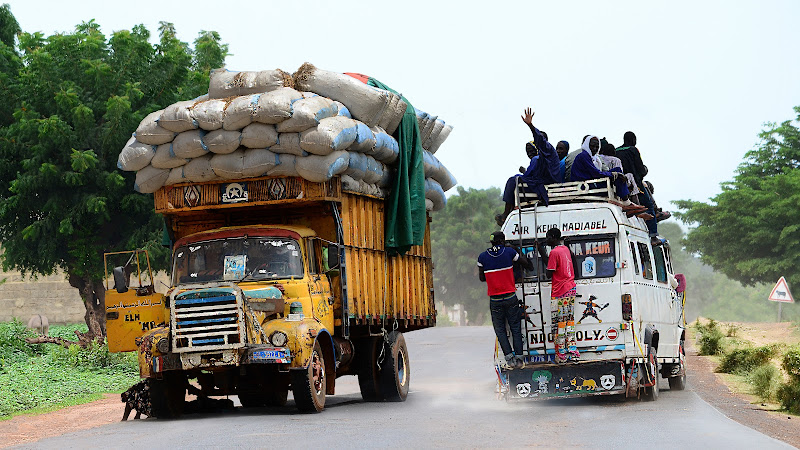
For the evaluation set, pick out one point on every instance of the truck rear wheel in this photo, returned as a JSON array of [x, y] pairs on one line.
[[679, 383], [396, 372], [651, 393], [367, 351], [168, 395], [309, 384]]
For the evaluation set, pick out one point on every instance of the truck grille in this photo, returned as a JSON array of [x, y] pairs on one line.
[[206, 319]]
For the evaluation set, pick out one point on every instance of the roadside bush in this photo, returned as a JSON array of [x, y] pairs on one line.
[[791, 364], [764, 380], [12, 342], [743, 360], [789, 396], [711, 338]]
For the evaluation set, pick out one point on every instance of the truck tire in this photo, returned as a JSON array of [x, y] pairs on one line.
[[367, 351], [679, 383], [309, 384], [395, 375], [168, 395], [651, 393]]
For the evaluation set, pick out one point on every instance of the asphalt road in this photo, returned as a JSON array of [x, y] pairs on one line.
[[452, 404]]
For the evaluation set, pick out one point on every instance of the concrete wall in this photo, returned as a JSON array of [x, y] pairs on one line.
[[50, 296]]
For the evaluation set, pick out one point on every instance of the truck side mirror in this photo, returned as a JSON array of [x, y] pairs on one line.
[[333, 257], [120, 280]]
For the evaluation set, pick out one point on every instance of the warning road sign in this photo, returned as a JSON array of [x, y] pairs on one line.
[[780, 293]]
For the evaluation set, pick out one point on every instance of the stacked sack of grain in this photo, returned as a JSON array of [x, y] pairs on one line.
[[254, 124]]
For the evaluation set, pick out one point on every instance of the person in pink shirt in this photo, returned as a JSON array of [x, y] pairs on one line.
[[562, 297]]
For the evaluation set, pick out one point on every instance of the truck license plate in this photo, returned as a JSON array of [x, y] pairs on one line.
[[276, 355]]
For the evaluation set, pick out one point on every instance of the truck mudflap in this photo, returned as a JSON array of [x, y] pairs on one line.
[[544, 381]]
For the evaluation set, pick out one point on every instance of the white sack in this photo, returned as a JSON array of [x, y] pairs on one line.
[[365, 103], [321, 168], [228, 166], [165, 157], [288, 143], [365, 139], [386, 149], [189, 144], [176, 176], [258, 161], [332, 134], [225, 83], [135, 155], [259, 135], [150, 179], [357, 166], [350, 184], [222, 141], [285, 167], [150, 132], [374, 171], [437, 129], [239, 112], [307, 113], [438, 140], [179, 117], [199, 170], [276, 106], [209, 114], [434, 192], [343, 111]]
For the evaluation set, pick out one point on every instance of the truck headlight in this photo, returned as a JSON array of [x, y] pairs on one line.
[[163, 345], [278, 338]]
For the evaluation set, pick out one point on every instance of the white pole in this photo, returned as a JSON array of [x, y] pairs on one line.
[[780, 305]]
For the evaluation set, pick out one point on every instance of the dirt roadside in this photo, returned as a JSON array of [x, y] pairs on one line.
[[701, 378]]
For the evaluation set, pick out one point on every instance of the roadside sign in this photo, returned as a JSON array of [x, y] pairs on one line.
[[780, 293]]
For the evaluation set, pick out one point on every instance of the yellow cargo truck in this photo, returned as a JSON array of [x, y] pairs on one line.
[[277, 283]]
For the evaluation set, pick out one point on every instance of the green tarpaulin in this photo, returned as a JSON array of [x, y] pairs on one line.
[[405, 208]]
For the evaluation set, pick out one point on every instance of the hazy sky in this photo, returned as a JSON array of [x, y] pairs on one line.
[[695, 80]]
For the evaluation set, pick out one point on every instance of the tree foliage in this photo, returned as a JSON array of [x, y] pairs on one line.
[[751, 230], [77, 98], [459, 233]]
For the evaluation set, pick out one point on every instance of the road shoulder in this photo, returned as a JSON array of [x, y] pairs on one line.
[[709, 386]]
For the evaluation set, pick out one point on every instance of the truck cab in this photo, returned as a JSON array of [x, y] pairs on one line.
[[628, 315]]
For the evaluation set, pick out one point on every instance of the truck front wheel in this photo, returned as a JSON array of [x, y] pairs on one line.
[[308, 385], [395, 374], [168, 395]]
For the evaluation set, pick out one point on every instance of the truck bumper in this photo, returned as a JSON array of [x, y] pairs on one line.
[[543, 381]]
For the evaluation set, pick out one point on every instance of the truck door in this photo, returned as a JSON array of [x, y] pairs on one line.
[[133, 308], [319, 287]]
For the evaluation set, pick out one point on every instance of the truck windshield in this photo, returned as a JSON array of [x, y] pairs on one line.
[[592, 257], [232, 259]]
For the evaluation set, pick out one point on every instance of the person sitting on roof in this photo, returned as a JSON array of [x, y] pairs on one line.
[[543, 170], [584, 168], [608, 155], [562, 148], [632, 162]]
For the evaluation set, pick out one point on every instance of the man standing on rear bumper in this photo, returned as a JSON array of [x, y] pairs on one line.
[[496, 268]]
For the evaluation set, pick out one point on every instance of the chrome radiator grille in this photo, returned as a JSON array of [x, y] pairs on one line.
[[207, 319]]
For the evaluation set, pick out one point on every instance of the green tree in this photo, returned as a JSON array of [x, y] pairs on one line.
[[712, 294], [459, 233], [751, 230], [62, 200]]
